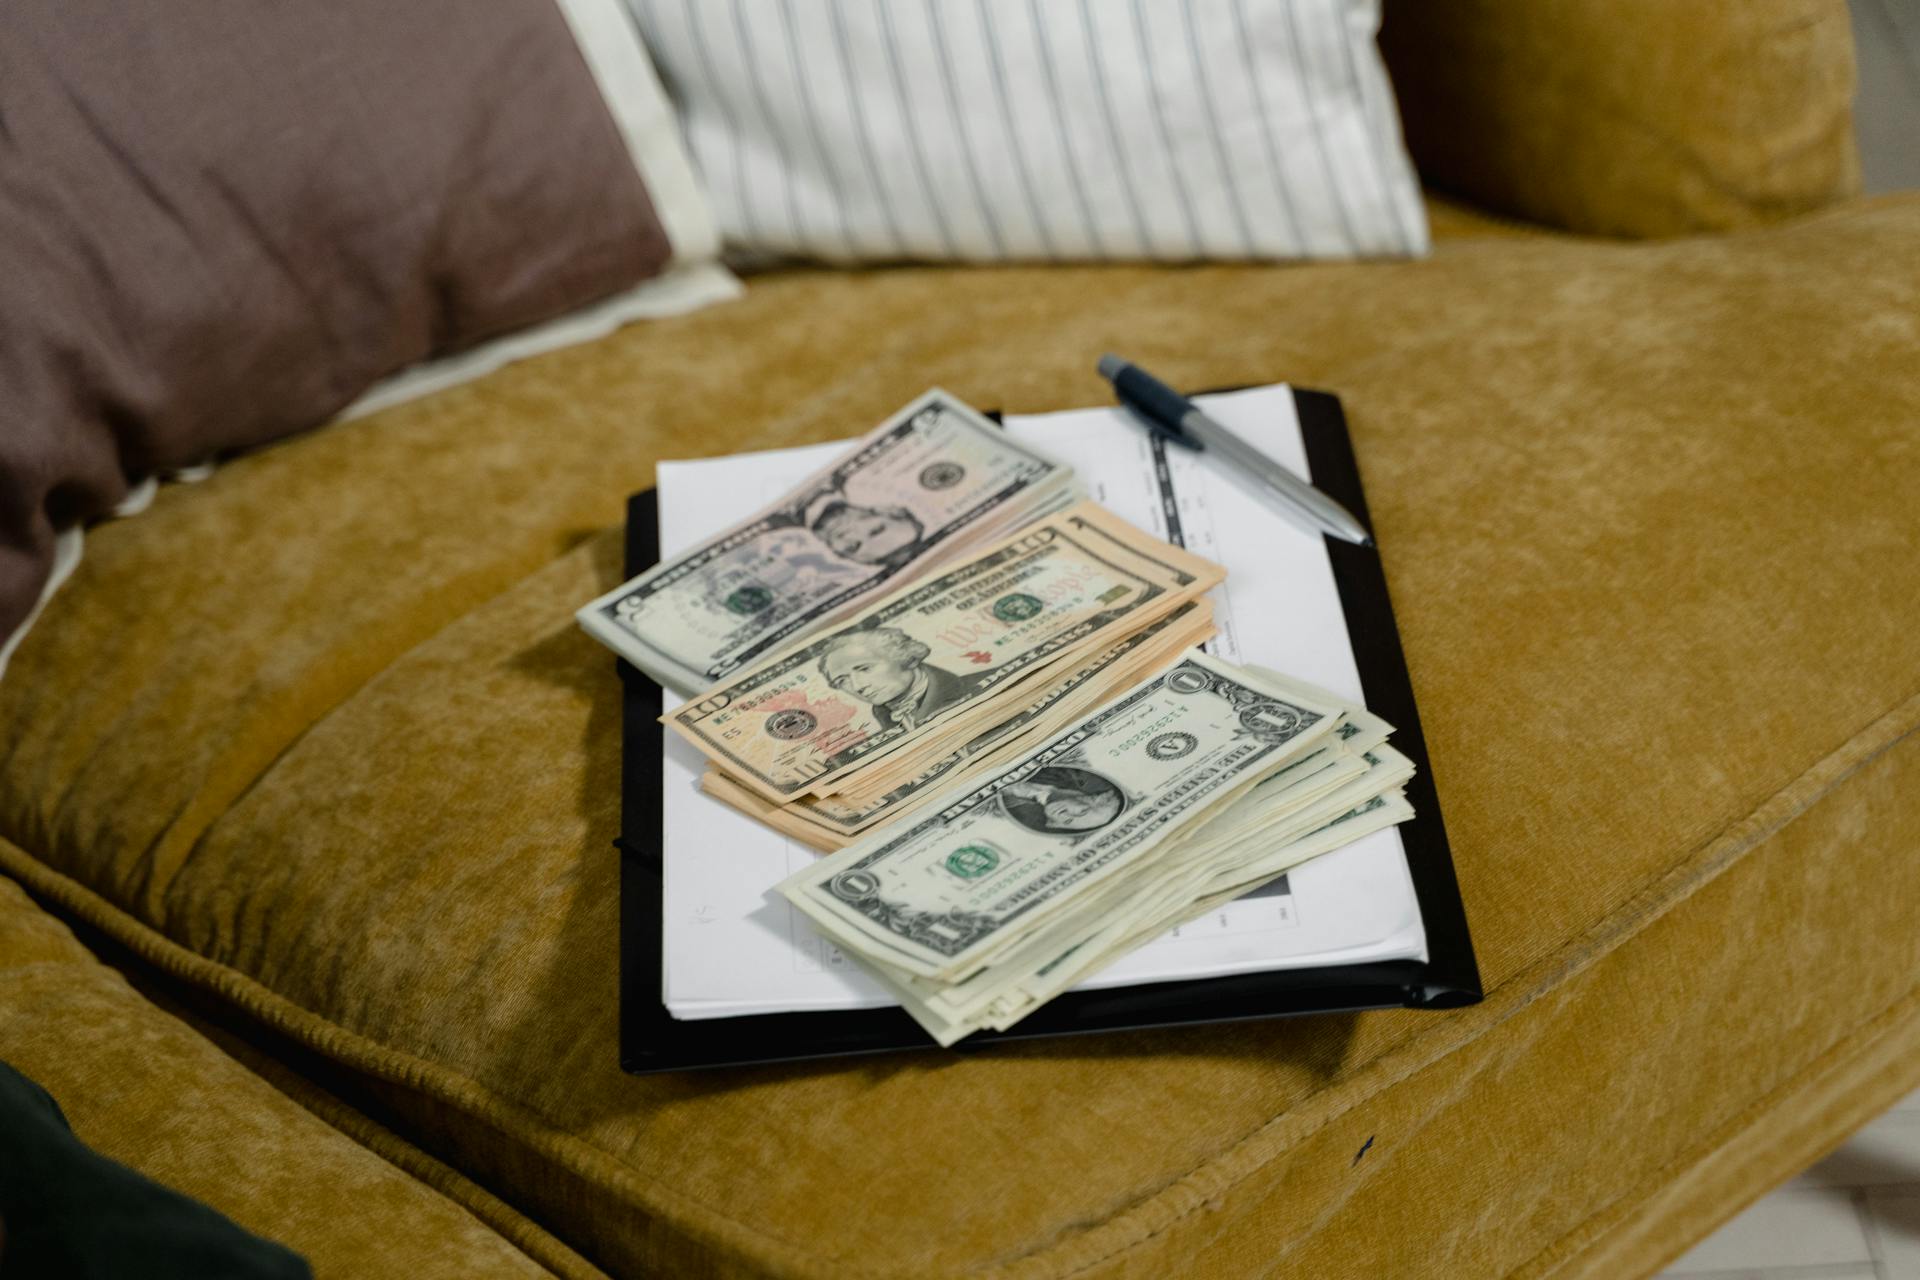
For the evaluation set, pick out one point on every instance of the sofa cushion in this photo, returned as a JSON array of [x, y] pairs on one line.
[[356, 772], [1630, 117], [142, 1088]]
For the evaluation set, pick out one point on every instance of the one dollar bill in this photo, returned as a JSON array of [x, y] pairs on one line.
[[938, 894]]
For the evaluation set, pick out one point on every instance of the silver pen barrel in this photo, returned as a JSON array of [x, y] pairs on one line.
[[1290, 489]]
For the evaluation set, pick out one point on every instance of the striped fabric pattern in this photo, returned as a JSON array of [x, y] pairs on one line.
[[981, 130]]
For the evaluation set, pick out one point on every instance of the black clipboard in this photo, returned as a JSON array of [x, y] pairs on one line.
[[652, 1039]]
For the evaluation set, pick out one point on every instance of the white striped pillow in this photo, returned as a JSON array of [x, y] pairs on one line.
[[1017, 129]]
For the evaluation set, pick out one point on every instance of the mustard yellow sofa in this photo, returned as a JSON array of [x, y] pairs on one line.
[[313, 756]]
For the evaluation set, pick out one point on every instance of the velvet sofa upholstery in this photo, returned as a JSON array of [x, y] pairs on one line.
[[352, 1199], [317, 742]]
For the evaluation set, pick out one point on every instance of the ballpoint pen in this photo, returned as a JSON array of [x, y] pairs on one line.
[[1172, 415]]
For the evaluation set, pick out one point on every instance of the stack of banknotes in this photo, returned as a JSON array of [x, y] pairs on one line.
[[983, 696], [1199, 783]]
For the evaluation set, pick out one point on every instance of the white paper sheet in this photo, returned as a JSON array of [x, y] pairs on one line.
[[730, 950]]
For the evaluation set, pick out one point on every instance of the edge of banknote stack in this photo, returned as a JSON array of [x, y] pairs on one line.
[[983, 697]]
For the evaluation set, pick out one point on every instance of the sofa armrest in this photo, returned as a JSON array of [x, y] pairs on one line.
[[1629, 117]]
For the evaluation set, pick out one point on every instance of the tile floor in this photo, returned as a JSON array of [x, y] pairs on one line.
[[1886, 111], [1853, 1216]]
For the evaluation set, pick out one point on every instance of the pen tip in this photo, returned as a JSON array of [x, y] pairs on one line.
[[1110, 365], [1367, 541]]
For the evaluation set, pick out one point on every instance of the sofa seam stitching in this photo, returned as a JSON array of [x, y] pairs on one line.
[[406, 1070], [1643, 1189], [414, 1070], [102, 980], [1560, 967]]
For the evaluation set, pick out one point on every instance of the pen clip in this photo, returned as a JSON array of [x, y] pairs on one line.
[[1162, 429]]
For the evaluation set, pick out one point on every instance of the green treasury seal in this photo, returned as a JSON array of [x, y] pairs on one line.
[[748, 600], [972, 861], [1017, 607]]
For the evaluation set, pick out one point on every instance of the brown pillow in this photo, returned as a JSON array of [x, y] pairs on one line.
[[222, 221]]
